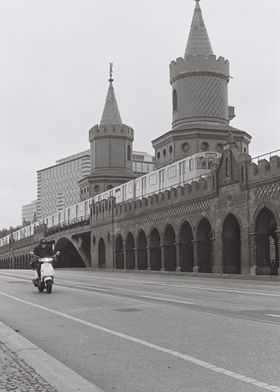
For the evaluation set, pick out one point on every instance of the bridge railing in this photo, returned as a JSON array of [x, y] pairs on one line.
[[266, 156]]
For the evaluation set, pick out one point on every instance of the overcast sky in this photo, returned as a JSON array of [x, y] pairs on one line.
[[55, 58]]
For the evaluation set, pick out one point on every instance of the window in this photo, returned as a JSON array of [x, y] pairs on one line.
[[175, 100], [191, 164], [170, 150], [204, 146], [227, 167], [128, 153], [158, 156], [164, 152], [152, 179], [185, 147], [172, 172]]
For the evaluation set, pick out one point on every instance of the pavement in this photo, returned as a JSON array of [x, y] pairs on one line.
[[24, 367]]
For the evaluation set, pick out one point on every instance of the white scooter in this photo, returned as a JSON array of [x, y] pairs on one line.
[[47, 272]]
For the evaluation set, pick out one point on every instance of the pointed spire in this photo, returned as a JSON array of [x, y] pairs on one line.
[[111, 114], [198, 42]]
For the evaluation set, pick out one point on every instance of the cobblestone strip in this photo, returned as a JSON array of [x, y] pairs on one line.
[[17, 376]]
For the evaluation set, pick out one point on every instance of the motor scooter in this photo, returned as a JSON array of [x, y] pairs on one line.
[[47, 272]]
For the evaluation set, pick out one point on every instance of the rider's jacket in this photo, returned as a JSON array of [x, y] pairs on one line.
[[43, 252]]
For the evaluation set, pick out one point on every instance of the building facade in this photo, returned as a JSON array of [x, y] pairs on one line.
[[57, 185], [29, 212]]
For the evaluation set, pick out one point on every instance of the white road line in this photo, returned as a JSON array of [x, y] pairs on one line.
[[273, 315], [168, 300], [187, 358]]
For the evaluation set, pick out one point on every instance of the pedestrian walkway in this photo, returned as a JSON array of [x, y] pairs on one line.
[[24, 367], [17, 375]]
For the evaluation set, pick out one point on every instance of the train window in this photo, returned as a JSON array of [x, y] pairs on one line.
[[130, 187], [171, 172], [117, 192], [182, 168], [191, 164], [152, 179], [138, 185], [211, 162], [144, 182], [201, 163], [110, 193]]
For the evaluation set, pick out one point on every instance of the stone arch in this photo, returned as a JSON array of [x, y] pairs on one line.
[[204, 245], [169, 243], [267, 246], [155, 250], [231, 245], [70, 257], [186, 247], [130, 251], [119, 251], [101, 253], [142, 255]]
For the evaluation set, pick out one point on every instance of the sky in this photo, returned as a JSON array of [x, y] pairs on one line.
[[54, 66]]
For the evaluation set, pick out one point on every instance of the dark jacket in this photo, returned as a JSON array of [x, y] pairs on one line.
[[43, 252]]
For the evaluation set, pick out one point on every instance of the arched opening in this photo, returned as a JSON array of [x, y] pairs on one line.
[[204, 246], [231, 246], [130, 252], [267, 251], [155, 251], [119, 252], [101, 253], [175, 100], [128, 153], [186, 248], [170, 260], [69, 255], [142, 256]]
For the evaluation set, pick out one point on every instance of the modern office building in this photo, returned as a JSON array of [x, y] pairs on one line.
[[29, 212], [57, 185]]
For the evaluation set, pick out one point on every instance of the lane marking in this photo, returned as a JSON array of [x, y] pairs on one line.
[[273, 315], [168, 300], [176, 354], [188, 286]]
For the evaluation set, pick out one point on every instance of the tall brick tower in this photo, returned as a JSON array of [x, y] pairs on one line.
[[201, 114], [111, 150]]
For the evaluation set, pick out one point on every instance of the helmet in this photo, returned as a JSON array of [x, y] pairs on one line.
[[43, 240]]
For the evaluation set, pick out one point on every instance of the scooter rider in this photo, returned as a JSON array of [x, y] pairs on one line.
[[42, 250]]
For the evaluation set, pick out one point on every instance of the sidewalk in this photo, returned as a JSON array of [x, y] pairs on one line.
[[26, 368]]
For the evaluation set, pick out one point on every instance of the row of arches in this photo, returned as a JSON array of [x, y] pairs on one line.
[[16, 262], [188, 251]]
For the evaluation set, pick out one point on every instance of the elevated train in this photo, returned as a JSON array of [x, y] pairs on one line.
[[177, 173]]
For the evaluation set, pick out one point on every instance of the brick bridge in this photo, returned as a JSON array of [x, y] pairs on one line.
[[226, 223]]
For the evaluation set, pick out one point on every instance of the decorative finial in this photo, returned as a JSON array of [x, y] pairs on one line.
[[197, 1], [111, 73]]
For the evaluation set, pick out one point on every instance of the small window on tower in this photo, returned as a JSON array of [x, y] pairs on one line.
[[175, 100], [128, 153]]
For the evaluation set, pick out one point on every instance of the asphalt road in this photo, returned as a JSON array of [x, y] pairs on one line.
[[132, 332]]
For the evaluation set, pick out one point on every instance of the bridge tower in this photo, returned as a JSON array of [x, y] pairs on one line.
[[201, 114], [110, 149]]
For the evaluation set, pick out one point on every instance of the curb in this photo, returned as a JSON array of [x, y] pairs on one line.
[[50, 369]]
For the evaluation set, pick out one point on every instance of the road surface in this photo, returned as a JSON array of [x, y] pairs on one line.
[[137, 332]]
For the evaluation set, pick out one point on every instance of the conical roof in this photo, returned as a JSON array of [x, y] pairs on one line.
[[111, 114], [198, 42]]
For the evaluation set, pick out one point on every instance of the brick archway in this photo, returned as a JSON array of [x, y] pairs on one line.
[[155, 250], [142, 255], [231, 246], [130, 251], [119, 252], [204, 245], [267, 247], [169, 243], [186, 247], [101, 253]]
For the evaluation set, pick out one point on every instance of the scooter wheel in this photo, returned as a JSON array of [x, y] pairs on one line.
[[49, 286]]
